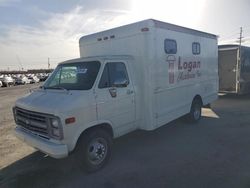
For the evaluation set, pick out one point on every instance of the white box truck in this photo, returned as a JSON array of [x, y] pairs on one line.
[[138, 76]]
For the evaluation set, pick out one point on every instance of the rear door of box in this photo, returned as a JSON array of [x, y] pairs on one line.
[[228, 70]]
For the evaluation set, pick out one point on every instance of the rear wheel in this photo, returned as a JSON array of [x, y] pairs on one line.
[[94, 149], [195, 111]]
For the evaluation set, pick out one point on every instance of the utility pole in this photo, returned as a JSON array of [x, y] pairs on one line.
[[48, 63], [19, 61], [240, 44], [239, 62]]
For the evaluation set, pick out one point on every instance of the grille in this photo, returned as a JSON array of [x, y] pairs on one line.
[[32, 121]]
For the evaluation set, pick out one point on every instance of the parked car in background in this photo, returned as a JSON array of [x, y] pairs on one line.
[[22, 80], [33, 79], [14, 77], [7, 81], [43, 77]]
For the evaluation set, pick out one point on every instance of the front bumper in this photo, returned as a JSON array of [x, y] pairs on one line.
[[52, 149]]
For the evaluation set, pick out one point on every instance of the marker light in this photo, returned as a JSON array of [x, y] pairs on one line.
[[145, 29], [70, 120]]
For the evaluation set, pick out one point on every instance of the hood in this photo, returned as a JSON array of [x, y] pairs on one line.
[[55, 101]]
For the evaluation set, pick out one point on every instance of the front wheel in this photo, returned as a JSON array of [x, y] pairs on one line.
[[94, 149], [195, 111]]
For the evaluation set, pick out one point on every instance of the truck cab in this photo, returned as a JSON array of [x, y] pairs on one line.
[[81, 95]]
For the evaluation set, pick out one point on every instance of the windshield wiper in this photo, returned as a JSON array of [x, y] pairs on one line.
[[55, 87]]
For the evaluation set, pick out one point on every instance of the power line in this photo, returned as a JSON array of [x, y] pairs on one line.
[[230, 32], [229, 36], [247, 27], [235, 33]]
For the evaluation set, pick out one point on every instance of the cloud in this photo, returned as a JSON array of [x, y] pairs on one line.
[[181, 12], [55, 34], [56, 37]]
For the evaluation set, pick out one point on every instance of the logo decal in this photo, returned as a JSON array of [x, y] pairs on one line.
[[171, 61]]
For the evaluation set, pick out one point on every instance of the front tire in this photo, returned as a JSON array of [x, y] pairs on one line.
[[94, 149], [195, 111]]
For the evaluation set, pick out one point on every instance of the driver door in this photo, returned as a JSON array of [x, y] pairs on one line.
[[115, 97]]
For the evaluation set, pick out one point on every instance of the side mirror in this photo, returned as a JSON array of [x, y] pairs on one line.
[[122, 82]]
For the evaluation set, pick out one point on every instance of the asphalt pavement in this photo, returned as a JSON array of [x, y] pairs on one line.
[[214, 153]]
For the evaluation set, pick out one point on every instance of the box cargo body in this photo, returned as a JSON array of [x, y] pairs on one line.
[[138, 76], [234, 72], [165, 83]]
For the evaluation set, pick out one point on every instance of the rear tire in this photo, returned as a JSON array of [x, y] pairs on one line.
[[93, 150], [195, 111]]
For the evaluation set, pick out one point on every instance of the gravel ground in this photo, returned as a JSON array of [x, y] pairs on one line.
[[212, 153], [11, 148]]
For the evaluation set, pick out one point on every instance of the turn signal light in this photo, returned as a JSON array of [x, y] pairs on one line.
[[70, 120]]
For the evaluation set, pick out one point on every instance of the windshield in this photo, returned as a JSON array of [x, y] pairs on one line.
[[73, 76]]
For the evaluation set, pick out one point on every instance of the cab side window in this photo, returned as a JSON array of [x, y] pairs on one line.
[[104, 82], [114, 75]]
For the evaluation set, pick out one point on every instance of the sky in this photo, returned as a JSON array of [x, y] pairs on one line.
[[33, 33]]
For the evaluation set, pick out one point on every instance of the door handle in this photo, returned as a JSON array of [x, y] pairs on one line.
[[113, 92]]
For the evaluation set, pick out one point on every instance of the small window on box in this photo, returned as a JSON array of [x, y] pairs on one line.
[[170, 46], [196, 48]]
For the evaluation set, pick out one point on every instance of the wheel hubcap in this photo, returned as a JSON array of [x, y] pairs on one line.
[[97, 151], [197, 112]]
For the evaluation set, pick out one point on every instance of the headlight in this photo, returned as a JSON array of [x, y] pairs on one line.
[[56, 132], [55, 123], [56, 128]]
